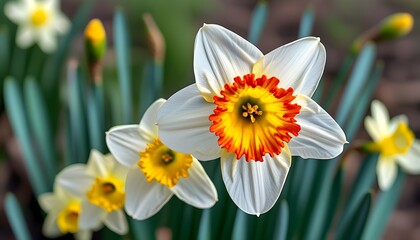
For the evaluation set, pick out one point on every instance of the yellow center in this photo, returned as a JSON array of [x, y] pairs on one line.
[[254, 117], [39, 17], [107, 193], [399, 142], [164, 165], [67, 219]]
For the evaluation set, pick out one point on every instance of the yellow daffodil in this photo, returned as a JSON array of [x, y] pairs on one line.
[[254, 111], [394, 141], [63, 214], [100, 184], [157, 172], [39, 21]]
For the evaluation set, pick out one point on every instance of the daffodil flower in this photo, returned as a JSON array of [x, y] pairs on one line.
[[157, 172], [394, 141], [38, 21], [254, 111], [63, 213], [100, 184]]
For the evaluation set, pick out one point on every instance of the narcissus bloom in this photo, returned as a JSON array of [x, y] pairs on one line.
[[157, 172], [100, 184], [38, 21], [395, 143], [254, 111], [63, 212]]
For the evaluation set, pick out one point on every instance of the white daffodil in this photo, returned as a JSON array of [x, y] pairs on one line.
[[39, 21], [254, 111], [157, 172], [63, 213], [100, 184], [395, 143]]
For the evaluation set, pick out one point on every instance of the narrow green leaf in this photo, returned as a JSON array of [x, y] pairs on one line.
[[306, 22], [258, 19], [4, 56], [354, 229], [95, 118], [141, 230], [384, 206], [363, 183], [39, 121], [123, 63], [282, 222], [77, 115], [151, 86], [205, 230], [16, 218], [356, 83], [239, 226], [18, 120]]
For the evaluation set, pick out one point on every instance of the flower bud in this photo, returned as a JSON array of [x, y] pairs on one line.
[[95, 46], [155, 38]]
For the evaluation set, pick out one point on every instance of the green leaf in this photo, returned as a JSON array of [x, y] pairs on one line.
[[4, 57], [205, 230], [16, 218], [384, 206], [282, 222], [258, 19], [151, 86], [356, 83], [306, 22], [240, 226], [96, 117], [142, 230], [39, 121], [356, 225], [363, 183], [123, 63], [18, 120]]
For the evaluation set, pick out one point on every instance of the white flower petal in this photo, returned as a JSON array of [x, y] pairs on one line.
[[50, 228], [410, 161], [16, 11], [320, 136], [83, 235], [381, 116], [148, 124], [373, 129], [61, 23], [219, 56], [49, 202], [298, 65], [395, 122], [386, 169], [47, 40], [184, 124], [255, 186], [117, 222], [125, 143], [25, 36], [144, 199], [75, 180], [98, 165], [197, 189], [91, 216]]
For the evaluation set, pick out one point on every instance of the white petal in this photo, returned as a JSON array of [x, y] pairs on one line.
[[410, 161], [47, 40], [144, 199], [395, 122], [255, 186], [381, 115], [97, 165], [148, 124], [184, 124], [320, 136], [125, 143], [219, 56], [49, 202], [117, 222], [91, 216], [16, 11], [298, 65], [25, 36], [61, 23], [50, 228], [83, 235], [119, 171], [386, 169], [373, 129], [75, 180], [197, 189]]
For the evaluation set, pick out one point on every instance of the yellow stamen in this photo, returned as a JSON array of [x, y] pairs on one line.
[[164, 165], [67, 219], [250, 110], [39, 17], [107, 193], [399, 142]]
